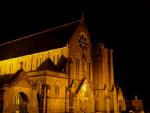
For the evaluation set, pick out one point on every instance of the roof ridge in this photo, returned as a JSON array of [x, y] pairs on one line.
[[40, 32]]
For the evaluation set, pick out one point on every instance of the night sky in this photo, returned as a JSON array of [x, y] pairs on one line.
[[121, 25]]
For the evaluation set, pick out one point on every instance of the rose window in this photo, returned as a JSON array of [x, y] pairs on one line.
[[83, 42]]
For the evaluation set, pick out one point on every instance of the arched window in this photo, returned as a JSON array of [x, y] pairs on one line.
[[39, 87], [77, 61], [22, 102], [57, 90], [89, 70], [49, 90]]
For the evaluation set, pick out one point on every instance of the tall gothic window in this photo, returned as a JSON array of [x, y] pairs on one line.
[[77, 67], [57, 90], [22, 102], [49, 90], [89, 70], [39, 87]]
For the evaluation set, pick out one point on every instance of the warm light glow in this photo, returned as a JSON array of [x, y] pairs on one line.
[[84, 87], [85, 92], [74, 78], [17, 99], [106, 91], [30, 62]]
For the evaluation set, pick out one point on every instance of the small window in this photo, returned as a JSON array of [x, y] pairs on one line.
[[77, 67]]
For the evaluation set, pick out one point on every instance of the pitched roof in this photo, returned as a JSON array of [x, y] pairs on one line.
[[47, 65], [46, 40], [7, 79]]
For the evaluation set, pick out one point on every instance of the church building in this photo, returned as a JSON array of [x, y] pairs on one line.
[[58, 70]]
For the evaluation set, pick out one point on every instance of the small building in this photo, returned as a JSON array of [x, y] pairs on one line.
[[136, 105]]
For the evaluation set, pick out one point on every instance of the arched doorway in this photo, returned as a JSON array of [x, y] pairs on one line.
[[108, 109], [84, 100], [22, 101]]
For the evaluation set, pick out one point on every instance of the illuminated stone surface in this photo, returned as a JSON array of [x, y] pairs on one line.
[[74, 78]]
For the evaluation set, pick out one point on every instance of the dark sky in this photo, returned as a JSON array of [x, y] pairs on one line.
[[121, 25]]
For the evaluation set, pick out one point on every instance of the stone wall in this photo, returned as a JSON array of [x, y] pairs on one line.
[[31, 62]]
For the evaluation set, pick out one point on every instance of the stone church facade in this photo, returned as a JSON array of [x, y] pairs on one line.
[[58, 70]]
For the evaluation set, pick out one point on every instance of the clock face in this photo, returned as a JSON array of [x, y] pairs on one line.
[[83, 40]]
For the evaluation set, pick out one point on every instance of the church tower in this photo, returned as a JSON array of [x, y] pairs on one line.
[[103, 78], [99, 76]]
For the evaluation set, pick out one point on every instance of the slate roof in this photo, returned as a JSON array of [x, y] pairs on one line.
[[47, 65], [7, 79], [46, 40]]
